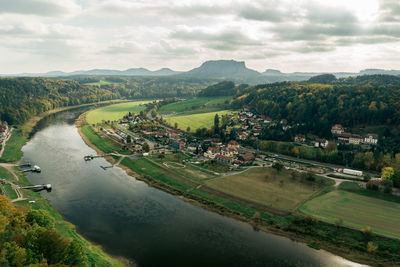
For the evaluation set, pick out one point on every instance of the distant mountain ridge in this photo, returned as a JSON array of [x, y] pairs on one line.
[[107, 72], [214, 69]]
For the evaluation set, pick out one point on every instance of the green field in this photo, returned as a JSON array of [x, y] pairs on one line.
[[266, 186], [113, 112], [193, 104], [5, 174], [195, 121], [102, 82], [356, 211], [10, 192], [98, 141]]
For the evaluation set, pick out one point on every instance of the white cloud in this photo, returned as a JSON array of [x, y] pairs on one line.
[[79, 34]]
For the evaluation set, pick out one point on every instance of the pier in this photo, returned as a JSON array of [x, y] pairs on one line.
[[46, 187], [35, 168]]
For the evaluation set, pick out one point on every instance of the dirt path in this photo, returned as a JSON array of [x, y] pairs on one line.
[[3, 145]]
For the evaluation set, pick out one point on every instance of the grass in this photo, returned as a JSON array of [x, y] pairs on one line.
[[10, 192], [5, 174], [113, 112], [195, 121], [98, 141], [12, 151], [356, 211], [193, 104], [266, 186]]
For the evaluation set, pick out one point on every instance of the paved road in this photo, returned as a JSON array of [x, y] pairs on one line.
[[311, 162]]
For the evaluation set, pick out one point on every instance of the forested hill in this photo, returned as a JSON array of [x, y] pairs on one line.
[[22, 98], [362, 100]]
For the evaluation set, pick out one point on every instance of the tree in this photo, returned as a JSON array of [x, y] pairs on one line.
[[146, 147], [366, 230], [176, 125], [387, 185], [371, 247], [41, 217], [277, 166], [75, 255], [52, 245], [232, 134], [216, 124], [367, 177], [188, 129], [387, 173], [15, 255], [396, 178]]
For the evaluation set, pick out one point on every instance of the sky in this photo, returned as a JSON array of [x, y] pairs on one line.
[[289, 35]]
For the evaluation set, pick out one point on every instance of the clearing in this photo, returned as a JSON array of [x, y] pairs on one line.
[[193, 104], [114, 112], [266, 186], [356, 211], [195, 121]]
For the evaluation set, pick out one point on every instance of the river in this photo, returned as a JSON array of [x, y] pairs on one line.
[[148, 226]]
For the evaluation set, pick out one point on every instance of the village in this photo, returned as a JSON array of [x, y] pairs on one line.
[[144, 135]]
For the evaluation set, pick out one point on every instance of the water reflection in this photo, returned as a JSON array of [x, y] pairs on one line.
[[130, 219]]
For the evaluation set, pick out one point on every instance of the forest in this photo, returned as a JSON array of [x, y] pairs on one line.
[[30, 239], [22, 98], [355, 102]]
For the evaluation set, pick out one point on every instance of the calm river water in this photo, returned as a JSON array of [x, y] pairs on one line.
[[132, 220]]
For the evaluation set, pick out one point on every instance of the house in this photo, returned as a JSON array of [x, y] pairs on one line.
[[283, 121], [248, 157], [355, 139], [224, 159], [371, 139], [337, 129], [344, 137], [211, 152], [267, 120], [321, 143], [174, 134], [300, 138], [233, 144]]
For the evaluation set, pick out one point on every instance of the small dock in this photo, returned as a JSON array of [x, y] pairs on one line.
[[91, 157], [46, 187], [35, 168]]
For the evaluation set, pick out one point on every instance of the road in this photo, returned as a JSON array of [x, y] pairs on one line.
[[3, 145], [311, 162]]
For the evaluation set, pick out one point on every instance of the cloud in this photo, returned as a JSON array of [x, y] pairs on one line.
[[226, 39], [46, 8], [390, 10]]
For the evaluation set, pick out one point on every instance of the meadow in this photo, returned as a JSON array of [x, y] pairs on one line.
[[114, 112], [195, 121], [193, 104], [266, 186], [356, 211], [102, 82]]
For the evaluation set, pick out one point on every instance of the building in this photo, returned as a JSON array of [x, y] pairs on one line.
[[337, 129], [300, 138], [248, 157], [355, 139], [344, 137], [371, 139], [224, 159], [321, 143]]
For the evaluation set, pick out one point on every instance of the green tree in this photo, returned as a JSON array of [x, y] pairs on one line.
[[216, 124], [15, 255], [75, 255], [146, 147], [41, 217], [387, 173], [387, 185], [52, 245], [277, 166]]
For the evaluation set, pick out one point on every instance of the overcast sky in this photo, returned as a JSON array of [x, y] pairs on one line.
[[290, 35]]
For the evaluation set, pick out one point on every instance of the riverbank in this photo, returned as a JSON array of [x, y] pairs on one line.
[[348, 243], [13, 153]]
